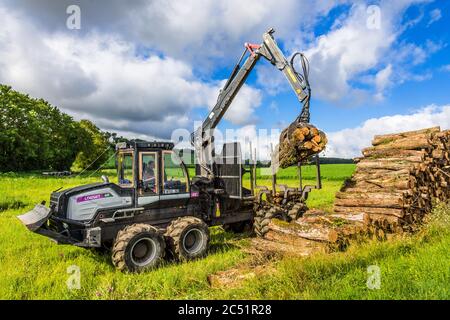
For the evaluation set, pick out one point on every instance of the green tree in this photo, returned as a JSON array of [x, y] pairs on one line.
[[35, 134], [95, 148]]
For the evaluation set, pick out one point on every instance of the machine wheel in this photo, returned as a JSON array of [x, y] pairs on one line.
[[262, 220], [187, 238], [138, 247], [296, 211]]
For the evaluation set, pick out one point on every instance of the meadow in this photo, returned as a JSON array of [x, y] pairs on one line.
[[33, 267]]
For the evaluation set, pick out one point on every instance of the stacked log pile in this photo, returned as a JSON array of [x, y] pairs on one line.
[[394, 186], [298, 142], [398, 178]]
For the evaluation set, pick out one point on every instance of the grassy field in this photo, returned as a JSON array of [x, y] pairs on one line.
[[32, 267]]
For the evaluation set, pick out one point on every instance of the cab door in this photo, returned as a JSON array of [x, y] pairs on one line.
[[175, 194], [148, 189]]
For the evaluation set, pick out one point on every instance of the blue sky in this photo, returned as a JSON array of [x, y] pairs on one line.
[[146, 68], [402, 98]]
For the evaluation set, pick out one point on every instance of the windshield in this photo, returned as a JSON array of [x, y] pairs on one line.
[[125, 169], [175, 178]]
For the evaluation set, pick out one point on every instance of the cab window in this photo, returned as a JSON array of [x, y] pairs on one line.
[[175, 179], [125, 168], [148, 172]]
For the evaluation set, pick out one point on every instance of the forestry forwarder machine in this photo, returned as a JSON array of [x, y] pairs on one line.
[[156, 208]]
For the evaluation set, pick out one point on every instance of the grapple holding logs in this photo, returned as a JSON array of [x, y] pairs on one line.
[[298, 142]]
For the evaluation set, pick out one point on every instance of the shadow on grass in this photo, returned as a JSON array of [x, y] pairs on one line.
[[11, 204], [221, 242]]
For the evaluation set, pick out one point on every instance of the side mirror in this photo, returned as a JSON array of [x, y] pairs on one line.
[[105, 179]]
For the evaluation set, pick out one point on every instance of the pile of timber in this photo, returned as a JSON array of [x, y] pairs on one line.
[[394, 186], [298, 142], [318, 230], [398, 178]]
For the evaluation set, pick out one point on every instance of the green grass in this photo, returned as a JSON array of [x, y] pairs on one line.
[[32, 267], [411, 267]]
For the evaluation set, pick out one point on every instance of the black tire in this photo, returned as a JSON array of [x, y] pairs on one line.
[[262, 220], [187, 238], [138, 247], [297, 211]]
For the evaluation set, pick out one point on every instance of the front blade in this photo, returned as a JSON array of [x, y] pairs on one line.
[[35, 218]]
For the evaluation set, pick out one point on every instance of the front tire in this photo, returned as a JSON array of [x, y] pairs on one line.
[[188, 238], [138, 247]]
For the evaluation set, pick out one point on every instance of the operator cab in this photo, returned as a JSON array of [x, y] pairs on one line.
[[151, 169]]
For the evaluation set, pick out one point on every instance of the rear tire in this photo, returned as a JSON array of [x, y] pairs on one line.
[[297, 211], [138, 247], [187, 238], [262, 220]]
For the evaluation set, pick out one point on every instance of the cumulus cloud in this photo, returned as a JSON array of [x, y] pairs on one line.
[[101, 77], [241, 110], [143, 67], [197, 30], [382, 81], [359, 45], [435, 15], [262, 140], [348, 143], [218, 29], [140, 78], [337, 56], [446, 68]]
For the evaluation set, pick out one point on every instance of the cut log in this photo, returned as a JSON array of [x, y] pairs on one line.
[[370, 195], [377, 174], [311, 233], [372, 152], [380, 139], [370, 210], [412, 143], [299, 142], [377, 186], [395, 202]]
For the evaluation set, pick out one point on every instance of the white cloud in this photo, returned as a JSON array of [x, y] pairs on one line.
[[354, 48], [347, 143], [219, 28], [260, 139], [198, 31], [446, 68], [241, 110], [435, 15], [100, 73], [101, 77], [382, 80], [341, 54], [271, 79]]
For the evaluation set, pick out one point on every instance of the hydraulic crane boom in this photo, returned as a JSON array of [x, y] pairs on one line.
[[203, 138]]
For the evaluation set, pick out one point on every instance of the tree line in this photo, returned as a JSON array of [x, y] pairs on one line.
[[34, 135]]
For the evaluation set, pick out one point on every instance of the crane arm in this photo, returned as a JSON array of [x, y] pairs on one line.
[[299, 82], [203, 137]]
